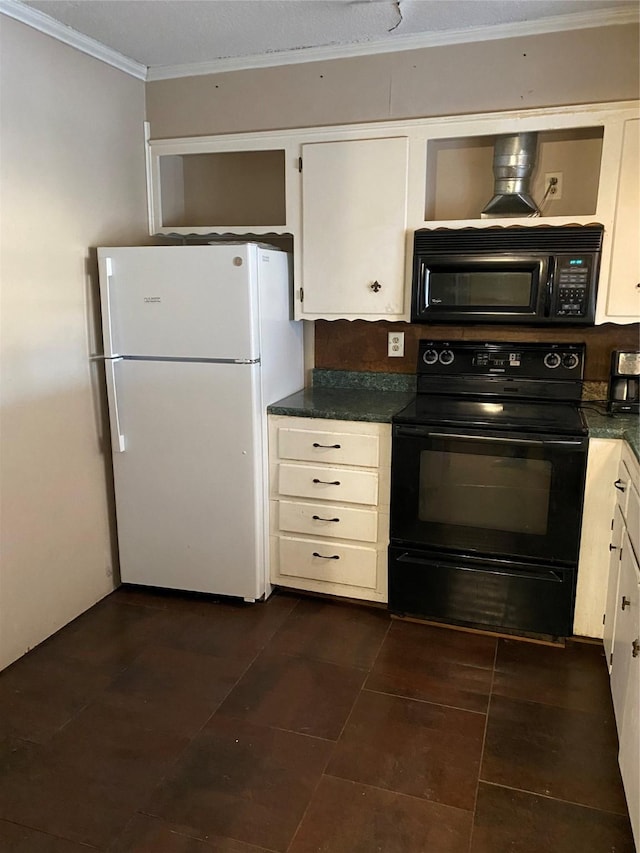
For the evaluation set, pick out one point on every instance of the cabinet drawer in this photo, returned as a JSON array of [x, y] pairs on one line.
[[327, 561], [331, 447], [339, 522], [326, 483]]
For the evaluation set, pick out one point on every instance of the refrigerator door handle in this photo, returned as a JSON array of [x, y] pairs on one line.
[[106, 272], [117, 438]]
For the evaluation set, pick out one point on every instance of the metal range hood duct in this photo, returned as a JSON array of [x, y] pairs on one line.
[[514, 158]]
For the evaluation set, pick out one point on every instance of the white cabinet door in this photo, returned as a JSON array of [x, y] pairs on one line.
[[629, 757], [611, 609], [354, 203], [626, 657], [625, 631], [624, 279]]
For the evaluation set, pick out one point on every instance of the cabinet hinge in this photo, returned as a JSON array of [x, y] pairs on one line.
[[610, 658], [604, 618], [612, 520], [301, 294], [299, 164]]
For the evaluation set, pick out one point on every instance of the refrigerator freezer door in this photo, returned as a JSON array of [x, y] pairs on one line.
[[189, 483], [195, 302]]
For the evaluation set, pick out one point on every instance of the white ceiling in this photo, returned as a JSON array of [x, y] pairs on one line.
[[172, 37]]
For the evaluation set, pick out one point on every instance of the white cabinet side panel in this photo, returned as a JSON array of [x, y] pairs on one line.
[[593, 566]]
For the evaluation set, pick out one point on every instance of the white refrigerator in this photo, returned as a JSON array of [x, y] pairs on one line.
[[197, 342]]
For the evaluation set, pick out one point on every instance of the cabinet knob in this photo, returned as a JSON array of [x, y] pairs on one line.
[[613, 547], [635, 649], [625, 602], [375, 286]]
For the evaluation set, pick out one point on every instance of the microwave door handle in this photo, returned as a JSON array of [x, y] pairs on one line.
[[549, 286]]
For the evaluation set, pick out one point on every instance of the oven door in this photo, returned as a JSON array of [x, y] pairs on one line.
[[488, 493]]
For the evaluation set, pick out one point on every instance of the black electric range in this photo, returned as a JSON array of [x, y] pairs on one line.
[[487, 484]]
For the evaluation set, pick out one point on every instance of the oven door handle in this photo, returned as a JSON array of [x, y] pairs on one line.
[[549, 575], [495, 439]]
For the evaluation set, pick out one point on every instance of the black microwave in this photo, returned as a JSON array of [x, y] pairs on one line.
[[519, 274]]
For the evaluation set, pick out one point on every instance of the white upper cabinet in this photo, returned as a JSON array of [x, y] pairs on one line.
[[246, 184], [349, 198], [354, 216], [623, 304]]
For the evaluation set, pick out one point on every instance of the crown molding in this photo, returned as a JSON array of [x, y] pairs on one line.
[[50, 27], [391, 44], [396, 43]]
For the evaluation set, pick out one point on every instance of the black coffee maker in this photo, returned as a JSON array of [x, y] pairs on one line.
[[624, 382]]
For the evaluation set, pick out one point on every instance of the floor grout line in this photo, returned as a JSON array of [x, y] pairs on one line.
[[484, 743]]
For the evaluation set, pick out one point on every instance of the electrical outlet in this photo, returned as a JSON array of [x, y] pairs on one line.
[[395, 344], [555, 192]]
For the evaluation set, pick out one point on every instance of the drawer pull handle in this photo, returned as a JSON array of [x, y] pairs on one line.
[[635, 646], [329, 446], [327, 482], [319, 518], [619, 485], [322, 556], [625, 602]]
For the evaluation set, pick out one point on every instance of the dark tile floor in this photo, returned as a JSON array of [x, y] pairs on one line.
[[167, 724]]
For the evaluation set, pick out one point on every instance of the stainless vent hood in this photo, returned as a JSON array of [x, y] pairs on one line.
[[514, 158]]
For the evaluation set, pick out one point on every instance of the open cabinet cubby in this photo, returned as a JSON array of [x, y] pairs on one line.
[[229, 188], [460, 176]]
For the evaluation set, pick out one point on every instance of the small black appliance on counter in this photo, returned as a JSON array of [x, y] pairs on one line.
[[624, 382]]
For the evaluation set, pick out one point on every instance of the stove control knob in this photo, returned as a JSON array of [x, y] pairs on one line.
[[552, 359], [570, 360], [430, 356], [446, 357]]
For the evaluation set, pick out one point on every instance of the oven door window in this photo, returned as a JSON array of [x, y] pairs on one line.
[[489, 491], [517, 496]]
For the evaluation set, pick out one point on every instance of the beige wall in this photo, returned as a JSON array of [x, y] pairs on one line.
[[71, 177], [536, 71]]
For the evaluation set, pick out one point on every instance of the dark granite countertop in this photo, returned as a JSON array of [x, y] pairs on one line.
[[350, 396], [604, 425], [346, 395], [343, 404]]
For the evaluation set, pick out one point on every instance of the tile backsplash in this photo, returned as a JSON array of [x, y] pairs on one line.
[[362, 346]]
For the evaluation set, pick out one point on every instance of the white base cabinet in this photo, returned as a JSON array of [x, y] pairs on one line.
[[593, 570], [622, 628], [330, 505]]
